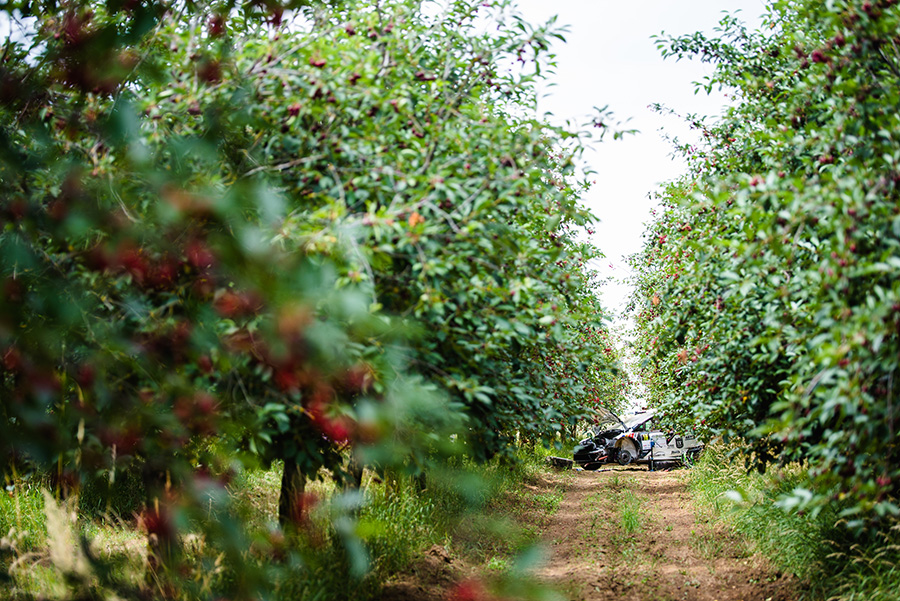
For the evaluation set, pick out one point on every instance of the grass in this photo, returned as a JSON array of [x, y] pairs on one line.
[[591, 536], [22, 521], [818, 549], [628, 504], [464, 510], [709, 545], [630, 519]]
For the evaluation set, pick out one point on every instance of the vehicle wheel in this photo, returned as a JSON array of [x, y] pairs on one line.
[[692, 456], [628, 452]]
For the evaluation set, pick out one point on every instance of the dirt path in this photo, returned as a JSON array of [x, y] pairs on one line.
[[628, 533]]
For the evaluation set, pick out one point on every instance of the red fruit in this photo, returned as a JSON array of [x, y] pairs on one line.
[[286, 379], [205, 403], [158, 522], [358, 379], [276, 16], [235, 304], [336, 427], [210, 71], [163, 274], [17, 209], [12, 359], [217, 25], [203, 288], [85, 376], [294, 109], [133, 261], [199, 255], [197, 413], [205, 364], [12, 289], [58, 209], [469, 590], [180, 334], [317, 62]]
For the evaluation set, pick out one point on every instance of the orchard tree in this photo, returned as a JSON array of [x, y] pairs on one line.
[[236, 231], [150, 319], [767, 300], [390, 134]]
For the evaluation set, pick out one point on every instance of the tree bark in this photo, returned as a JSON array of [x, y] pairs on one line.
[[354, 473], [421, 482], [290, 501], [163, 540]]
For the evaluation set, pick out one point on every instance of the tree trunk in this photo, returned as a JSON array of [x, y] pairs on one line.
[[163, 540], [420, 481], [354, 473], [290, 501]]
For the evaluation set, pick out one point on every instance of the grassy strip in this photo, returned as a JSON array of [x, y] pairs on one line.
[[464, 510], [818, 549]]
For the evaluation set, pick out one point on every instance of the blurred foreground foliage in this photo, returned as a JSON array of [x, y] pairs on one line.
[[316, 233]]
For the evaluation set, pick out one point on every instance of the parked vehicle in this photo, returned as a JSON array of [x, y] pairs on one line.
[[633, 440]]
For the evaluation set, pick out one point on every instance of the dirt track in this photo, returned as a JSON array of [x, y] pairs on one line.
[[618, 533], [628, 533]]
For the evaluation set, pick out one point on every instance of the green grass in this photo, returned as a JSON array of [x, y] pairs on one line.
[[22, 520], [709, 545], [819, 550], [464, 509], [630, 519], [628, 504]]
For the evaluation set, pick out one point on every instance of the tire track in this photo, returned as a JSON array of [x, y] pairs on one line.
[[599, 549]]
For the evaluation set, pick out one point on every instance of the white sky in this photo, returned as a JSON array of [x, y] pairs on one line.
[[610, 59]]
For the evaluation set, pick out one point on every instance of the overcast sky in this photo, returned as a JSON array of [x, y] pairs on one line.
[[610, 59]]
